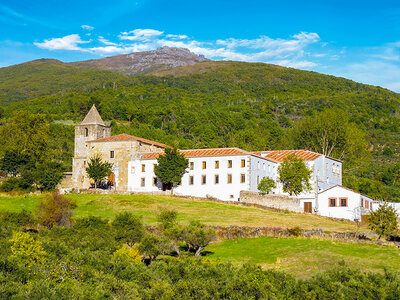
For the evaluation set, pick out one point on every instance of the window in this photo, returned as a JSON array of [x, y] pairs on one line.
[[143, 182], [191, 165], [204, 165], [243, 163], [269, 168], [229, 163], [229, 178], [242, 178], [258, 165], [154, 181], [217, 164], [203, 179], [86, 132], [343, 201], [111, 154], [132, 169], [332, 202], [216, 179], [366, 204], [84, 162], [362, 202], [143, 168], [258, 180], [264, 166], [191, 180]]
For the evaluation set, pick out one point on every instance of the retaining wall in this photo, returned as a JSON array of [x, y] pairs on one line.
[[271, 201]]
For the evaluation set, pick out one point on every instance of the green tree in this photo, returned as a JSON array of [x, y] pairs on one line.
[[294, 175], [26, 134], [55, 209], [329, 132], [129, 228], [172, 232], [48, 175], [197, 236], [97, 169], [149, 247], [171, 168], [383, 220], [266, 185], [13, 162]]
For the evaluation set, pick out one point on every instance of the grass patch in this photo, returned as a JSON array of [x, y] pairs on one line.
[[304, 257], [208, 212]]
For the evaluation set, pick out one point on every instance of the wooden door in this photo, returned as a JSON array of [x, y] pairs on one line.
[[308, 207]]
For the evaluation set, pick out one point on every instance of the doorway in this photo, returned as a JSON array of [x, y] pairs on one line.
[[308, 207]]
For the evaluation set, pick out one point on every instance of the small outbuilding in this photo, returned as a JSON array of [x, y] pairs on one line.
[[343, 203]]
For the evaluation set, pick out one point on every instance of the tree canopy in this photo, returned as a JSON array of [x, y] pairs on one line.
[[97, 169], [294, 175], [171, 167]]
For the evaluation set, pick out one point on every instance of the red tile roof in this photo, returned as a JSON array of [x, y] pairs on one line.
[[205, 152], [280, 155], [343, 187], [126, 138]]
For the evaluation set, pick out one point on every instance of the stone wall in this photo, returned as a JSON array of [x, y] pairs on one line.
[[271, 201]]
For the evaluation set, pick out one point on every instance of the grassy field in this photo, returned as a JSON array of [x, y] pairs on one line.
[[212, 213], [304, 257]]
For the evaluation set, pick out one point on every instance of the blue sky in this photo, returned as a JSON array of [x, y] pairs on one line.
[[359, 40]]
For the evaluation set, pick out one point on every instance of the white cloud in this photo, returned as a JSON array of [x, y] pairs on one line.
[[140, 35], [289, 52], [106, 42], [87, 27], [69, 42]]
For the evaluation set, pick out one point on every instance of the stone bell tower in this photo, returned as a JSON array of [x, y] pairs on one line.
[[91, 128]]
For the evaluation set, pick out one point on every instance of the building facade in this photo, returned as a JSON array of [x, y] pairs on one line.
[[218, 173]]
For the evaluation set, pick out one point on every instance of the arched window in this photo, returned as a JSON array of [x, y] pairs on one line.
[[86, 132]]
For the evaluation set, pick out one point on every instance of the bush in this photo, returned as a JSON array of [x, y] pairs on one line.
[[55, 210], [129, 228], [129, 253], [10, 184], [383, 221], [266, 185], [21, 218], [91, 222], [294, 231]]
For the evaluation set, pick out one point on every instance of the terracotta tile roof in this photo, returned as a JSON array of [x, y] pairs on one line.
[[206, 152], [125, 138], [280, 155]]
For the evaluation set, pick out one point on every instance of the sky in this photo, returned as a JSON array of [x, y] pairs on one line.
[[359, 40]]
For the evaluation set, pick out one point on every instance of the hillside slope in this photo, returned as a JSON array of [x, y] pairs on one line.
[[47, 77], [253, 106]]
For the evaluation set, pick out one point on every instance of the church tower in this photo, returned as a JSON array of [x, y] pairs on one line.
[[91, 128]]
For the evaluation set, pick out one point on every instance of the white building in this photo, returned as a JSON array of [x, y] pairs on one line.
[[326, 173], [218, 173], [341, 202]]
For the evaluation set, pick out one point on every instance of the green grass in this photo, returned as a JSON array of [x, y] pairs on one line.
[[304, 257], [212, 213]]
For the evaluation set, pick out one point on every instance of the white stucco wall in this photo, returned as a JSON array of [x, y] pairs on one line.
[[259, 169], [351, 212], [223, 190]]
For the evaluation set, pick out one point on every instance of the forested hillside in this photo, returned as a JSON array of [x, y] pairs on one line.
[[217, 104]]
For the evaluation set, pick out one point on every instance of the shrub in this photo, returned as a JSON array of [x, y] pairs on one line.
[[383, 221], [91, 222], [129, 228], [129, 253], [266, 185], [197, 236], [26, 249], [294, 231], [10, 184], [55, 210], [21, 218]]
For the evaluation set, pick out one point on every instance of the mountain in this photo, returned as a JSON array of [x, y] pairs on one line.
[[253, 106], [48, 77], [141, 63]]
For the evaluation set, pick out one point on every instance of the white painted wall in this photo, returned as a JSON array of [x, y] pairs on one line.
[[260, 168], [353, 209]]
